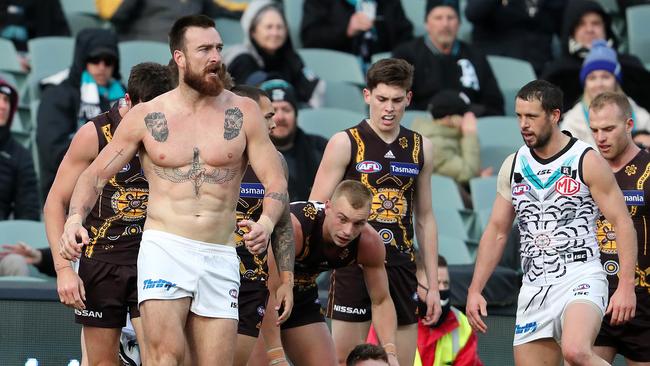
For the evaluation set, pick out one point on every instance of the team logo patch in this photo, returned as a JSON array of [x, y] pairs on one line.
[[251, 190], [542, 241], [567, 186], [368, 167], [634, 197], [261, 310], [126, 168], [404, 169], [233, 293], [520, 189], [611, 267], [386, 236]]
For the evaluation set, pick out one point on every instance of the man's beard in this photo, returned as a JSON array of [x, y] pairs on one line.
[[285, 142], [211, 86]]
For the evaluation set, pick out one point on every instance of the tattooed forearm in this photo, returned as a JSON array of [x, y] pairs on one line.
[[282, 197], [197, 174], [232, 123], [83, 211], [157, 125], [282, 243], [117, 155]]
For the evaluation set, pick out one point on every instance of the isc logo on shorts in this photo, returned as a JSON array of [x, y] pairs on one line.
[[368, 167], [634, 198]]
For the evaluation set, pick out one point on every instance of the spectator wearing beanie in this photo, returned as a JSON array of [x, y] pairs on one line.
[[600, 72], [586, 21], [454, 138], [442, 61], [302, 152]]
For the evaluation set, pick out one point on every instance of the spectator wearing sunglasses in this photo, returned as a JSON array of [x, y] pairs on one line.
[[90, 87]]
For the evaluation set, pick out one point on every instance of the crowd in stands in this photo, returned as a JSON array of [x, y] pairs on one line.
[[577, 45]]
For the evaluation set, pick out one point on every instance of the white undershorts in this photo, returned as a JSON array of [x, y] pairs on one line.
[[172, 267], [540, 309]]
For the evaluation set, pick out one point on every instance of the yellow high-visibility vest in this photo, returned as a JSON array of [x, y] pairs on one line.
[[450, 344]]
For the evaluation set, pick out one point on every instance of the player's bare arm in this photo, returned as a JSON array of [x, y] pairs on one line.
[[607, 194], [332, 167], [79, 156], [491, 247], [426, 232], [372, 256], [111, 159], [266, 164], [283, 253]]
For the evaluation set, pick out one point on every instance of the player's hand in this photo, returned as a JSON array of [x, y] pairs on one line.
[[69, 248], [257, 238], [475, 309], [284, 301], [359, 22], [622, 305], [31, 255], [70, 288], [433, 307], [392, 360]]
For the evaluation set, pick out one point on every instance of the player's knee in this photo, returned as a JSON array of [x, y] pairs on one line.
[[576, 354]]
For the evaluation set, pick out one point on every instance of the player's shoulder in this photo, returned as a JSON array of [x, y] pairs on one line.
[[371, 247]]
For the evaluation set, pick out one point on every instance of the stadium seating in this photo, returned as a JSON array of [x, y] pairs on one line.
[[638, 31], [454, 250], [9, 60], [135, 52], [483, 190], [230, 31], [343, 95], [293, 14], [379, 56], [48, 55], [511, 75], [327, 121], [498, 137], [333, 65]]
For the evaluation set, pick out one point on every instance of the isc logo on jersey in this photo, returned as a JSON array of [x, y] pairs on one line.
[[567, 186], [368, 167], [520, 189]]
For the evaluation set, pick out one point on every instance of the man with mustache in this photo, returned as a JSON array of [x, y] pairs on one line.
[[556, 186], [194, 143]]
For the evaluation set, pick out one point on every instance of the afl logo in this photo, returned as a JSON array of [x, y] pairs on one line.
[[368, 167], [567, 186], [520, 189]]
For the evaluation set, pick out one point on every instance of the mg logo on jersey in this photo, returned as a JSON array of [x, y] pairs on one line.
[[368, 167], [520, 189], [567, 186], [634, 198]]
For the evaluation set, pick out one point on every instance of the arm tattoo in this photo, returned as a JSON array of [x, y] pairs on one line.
[[118, 154], [282, 197], [282, 243], [197, 174], [157, 126], [232, 123]]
